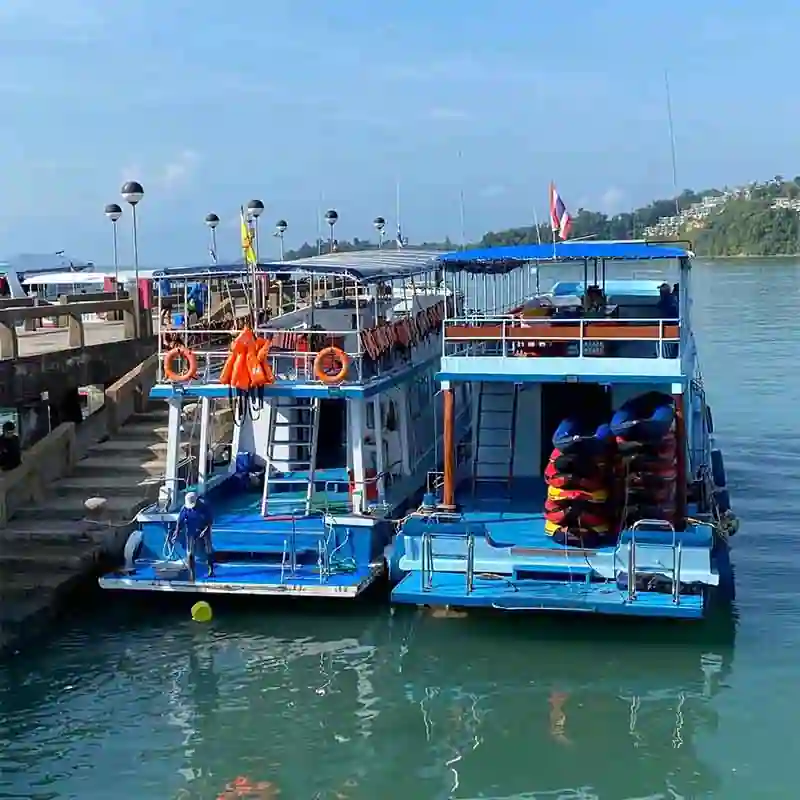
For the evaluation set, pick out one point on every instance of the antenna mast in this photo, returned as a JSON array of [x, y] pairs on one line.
[[672, 142]]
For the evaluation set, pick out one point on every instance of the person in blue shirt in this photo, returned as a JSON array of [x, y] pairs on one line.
[[668, 308], [195, 520], [164, 293]]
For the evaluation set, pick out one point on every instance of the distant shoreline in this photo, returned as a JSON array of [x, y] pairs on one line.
[[748, 255]]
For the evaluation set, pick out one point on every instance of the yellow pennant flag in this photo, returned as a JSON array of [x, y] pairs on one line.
[[248, 245]]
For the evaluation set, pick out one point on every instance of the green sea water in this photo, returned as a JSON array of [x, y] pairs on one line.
[[131, 699]]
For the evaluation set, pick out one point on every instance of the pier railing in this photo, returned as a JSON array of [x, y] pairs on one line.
[[608, 337], [74, 315]]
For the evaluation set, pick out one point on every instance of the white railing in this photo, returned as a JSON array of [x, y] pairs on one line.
[[211, 349], [548, 336]]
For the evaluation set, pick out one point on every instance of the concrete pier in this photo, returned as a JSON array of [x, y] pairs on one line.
[[51, 540]]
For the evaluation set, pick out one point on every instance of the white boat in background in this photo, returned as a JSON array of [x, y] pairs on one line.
[[52, 284], [19, 268]]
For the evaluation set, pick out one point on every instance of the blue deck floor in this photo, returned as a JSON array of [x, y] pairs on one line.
[[241, 578], [253, 553], [515, 519], [449, 588], [512, 518]]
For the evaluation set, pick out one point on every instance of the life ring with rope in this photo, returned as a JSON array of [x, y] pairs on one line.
[[337, 355], [190, 370]]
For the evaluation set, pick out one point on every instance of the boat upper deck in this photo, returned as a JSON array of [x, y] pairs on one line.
[[626, 329], [381, 310]]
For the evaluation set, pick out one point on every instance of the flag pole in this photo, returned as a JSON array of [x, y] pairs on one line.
[[539, 242], [552, 217]]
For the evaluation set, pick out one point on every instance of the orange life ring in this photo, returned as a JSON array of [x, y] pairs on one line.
[[338, 354], [191, 364]]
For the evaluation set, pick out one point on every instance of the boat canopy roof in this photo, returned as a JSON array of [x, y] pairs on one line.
[[364, 266], [503, 259], [81, 278]]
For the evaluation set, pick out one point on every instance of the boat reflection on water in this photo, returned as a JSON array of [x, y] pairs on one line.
[[278, 716], [407, 704], [565, 709]]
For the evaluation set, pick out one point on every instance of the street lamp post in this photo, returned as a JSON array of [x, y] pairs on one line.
[[113, 211], [212, 220], [132, 193], [380, 226], [255, 208], [280, 229], [331, 217]]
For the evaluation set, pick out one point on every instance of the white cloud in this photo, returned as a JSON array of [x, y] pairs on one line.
[[613, 200], [170, 176], [180, 170]]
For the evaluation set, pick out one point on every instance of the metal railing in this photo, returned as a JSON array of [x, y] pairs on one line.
[[211, 349], [427, 556], [547, 336], [677, 556]]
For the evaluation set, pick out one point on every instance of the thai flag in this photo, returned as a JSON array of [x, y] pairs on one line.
[[560, 220]]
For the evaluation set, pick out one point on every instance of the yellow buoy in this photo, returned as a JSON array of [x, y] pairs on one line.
[[201, 611]]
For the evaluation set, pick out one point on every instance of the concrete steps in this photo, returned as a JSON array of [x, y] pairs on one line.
[[130, 464], [56, 557], [71, 506], [49, 546], [57, 532], [125, 470]]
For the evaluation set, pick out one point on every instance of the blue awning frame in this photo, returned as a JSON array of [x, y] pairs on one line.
[[492, 260]]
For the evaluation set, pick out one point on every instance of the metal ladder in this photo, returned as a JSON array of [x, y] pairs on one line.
[[307, 412], [677, 554], [427, 556], [507, 414]]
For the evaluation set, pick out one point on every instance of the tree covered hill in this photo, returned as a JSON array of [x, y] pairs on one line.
[[760, 219]]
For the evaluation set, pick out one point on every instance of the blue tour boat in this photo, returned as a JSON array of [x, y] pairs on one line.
[[336, 421], [593, 483]]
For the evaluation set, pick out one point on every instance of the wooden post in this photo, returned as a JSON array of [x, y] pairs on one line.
[[681, 476], [449, 495]]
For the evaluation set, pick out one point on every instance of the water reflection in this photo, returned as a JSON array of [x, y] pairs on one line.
[[541, 708], [372, 703]]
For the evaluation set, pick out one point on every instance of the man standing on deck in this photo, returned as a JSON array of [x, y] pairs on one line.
[[195, 520], [667, 302], [10, 450]]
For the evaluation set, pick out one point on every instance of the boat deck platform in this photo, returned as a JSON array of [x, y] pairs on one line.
[[273, 555], [496, 553]]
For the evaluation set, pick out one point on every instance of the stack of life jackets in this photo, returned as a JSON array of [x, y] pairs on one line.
[[578, 477], [646, 474], [246, 372]]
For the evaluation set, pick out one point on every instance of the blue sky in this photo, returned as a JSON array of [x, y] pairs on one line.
[[211, 104]]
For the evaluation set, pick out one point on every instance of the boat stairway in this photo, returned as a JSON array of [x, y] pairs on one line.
[[495, 433], [291, 448]]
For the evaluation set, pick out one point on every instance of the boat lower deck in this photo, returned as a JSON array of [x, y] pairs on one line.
[[315, 554], [246, 578], [503, 594], [496, 553]]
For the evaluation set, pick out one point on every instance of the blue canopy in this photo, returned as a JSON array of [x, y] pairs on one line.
[[501, 259]]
